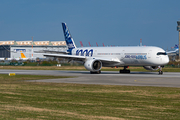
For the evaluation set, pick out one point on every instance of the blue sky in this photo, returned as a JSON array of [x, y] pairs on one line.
[[112, 22]]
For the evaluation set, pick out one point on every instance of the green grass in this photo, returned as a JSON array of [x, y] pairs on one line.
[[32, 100], [6, 78]]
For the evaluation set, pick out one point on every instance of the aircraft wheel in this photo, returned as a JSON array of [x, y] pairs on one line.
[[160, 72], [127, 71], [124, 71], [98, 72]]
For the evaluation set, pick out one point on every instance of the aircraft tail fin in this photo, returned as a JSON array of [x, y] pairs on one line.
[[22, 55], [68, 38], [176, 46]]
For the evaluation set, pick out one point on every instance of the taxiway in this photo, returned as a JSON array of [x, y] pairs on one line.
[[168, 79]]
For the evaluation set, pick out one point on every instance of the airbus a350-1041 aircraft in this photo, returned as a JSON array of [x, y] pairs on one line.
[[93, 58]]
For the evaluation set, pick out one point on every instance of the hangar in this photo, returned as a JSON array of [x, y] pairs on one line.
[[12, 50]]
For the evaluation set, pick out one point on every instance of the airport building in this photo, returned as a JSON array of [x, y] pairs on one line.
[[15, 50]]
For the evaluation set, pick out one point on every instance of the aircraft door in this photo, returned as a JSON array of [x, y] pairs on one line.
[[149, 53], [122, 55]]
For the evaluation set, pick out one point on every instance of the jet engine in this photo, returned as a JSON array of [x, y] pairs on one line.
[[93, 65], [151, 67]]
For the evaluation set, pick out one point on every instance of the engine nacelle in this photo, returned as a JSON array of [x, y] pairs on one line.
[[151, 67], [93, 65]]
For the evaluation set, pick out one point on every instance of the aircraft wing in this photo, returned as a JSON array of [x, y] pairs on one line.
[[51, 51], [172, 53], [70, 57], [83, 58]]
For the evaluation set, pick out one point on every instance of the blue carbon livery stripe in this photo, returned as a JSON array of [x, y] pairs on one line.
[[86, 52], [68, 38]]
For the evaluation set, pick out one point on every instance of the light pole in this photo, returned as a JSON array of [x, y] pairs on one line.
[[178, 29]]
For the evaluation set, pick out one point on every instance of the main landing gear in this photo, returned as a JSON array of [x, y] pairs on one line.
[[97, 72], [160, 70], [124, 70]]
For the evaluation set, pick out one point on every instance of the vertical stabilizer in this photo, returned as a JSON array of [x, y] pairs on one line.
[[68, 38], [22, 55], [176, 46]]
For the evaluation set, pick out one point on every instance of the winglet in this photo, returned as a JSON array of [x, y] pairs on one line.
[[68, 38]]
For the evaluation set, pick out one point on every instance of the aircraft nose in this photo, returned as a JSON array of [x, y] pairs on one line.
[[166, 60]]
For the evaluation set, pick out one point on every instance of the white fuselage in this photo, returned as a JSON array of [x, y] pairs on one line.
[[125, 56]]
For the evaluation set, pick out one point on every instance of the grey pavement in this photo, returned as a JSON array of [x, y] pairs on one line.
[[168, 79]]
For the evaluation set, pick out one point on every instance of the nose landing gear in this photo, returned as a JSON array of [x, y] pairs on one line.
[[160, 70]]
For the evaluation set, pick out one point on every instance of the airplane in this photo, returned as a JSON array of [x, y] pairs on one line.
[[1, 58], [94, 58], [23, 57], [175, 52]]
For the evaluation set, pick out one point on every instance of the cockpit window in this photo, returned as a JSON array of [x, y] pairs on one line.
[[161, 53]]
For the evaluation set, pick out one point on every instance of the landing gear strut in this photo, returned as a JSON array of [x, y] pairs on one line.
[[160, 70], [97, 72], [124, 70]]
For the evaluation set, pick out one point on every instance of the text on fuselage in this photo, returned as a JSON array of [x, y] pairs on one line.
[[85, 52], [141, 56]]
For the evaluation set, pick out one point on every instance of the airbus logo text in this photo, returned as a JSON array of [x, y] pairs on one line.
[[85, 52], [142, 57]]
